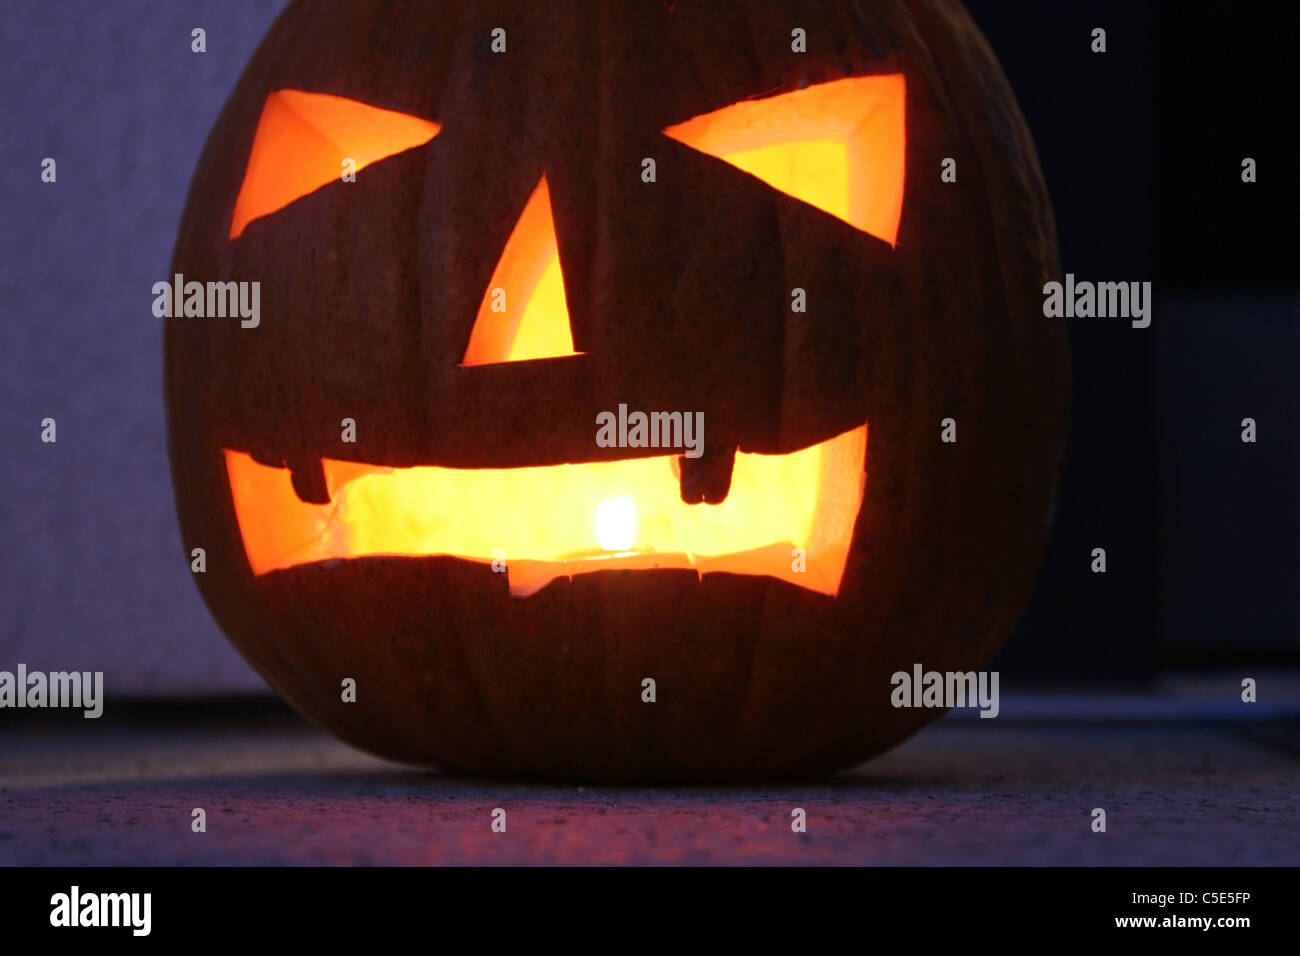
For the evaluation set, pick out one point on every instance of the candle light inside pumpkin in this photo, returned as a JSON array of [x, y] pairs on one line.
[[616, 523]]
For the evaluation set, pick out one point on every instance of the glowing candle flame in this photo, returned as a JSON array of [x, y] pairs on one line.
[[616, 524]]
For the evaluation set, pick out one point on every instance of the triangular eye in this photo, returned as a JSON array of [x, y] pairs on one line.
[[838, 146], [302, 140], [524, 314]]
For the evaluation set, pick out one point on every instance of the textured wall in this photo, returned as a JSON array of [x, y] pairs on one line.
[[92, 575]]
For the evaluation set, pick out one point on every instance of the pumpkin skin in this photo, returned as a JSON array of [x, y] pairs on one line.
[[679, 296]]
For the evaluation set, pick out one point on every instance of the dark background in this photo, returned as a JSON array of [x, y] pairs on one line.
[[1141, 148]]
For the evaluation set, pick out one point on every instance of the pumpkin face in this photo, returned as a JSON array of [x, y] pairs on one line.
[[424, 469]]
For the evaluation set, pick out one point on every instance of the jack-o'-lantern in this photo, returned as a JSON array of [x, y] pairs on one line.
[[480, 231]]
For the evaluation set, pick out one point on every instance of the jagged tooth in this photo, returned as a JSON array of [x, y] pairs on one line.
[[707, 478], [308, 478]]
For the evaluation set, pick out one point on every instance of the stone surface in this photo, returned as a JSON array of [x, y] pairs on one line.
[[966, 791]]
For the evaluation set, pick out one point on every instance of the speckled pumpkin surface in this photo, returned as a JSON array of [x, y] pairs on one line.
[[678, 295]]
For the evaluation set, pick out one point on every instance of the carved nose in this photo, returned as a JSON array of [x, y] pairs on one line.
[[524, 314]]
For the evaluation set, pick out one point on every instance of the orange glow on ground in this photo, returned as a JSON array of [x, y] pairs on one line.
[[548, 521], [535, 321], [839, 146], [302, 140]]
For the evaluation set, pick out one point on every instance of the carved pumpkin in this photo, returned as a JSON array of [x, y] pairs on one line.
[[507, 267]]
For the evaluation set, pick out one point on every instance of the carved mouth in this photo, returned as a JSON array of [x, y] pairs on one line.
[[553, 521]]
